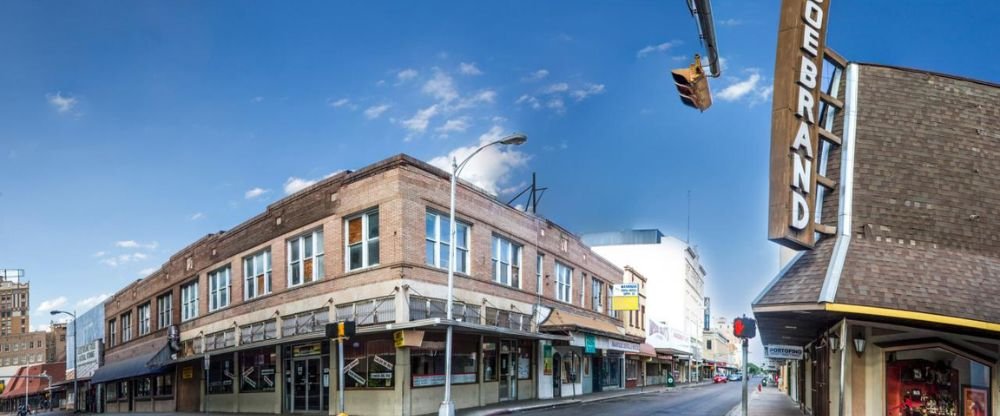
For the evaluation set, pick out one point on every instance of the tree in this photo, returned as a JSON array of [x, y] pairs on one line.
[[754, 369]]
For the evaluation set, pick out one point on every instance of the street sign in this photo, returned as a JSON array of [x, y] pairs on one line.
[[625, 297]]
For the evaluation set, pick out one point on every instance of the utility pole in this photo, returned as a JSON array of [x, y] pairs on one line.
[[746, 375]]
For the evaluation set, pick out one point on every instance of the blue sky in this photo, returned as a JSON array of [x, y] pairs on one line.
[[131, 129]]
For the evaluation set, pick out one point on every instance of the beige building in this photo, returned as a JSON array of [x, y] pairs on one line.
[[14, 307]]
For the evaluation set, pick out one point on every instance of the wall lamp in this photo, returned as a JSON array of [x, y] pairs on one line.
[[859, 343], [834, 341]]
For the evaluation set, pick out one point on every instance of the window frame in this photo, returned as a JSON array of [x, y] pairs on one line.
[[597, 294], [218, 293], [366, 240], [540, 273], [126, 323], [112, 332], [165, 310], [515, 253], [189, 307], [560, 284], [438, 241], [250, 276], [297, 264], [144, 318]]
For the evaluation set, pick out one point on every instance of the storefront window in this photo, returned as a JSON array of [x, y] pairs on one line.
[[631, 370], [369, 363], [611, 371], [936, 382], [257, 368], [524, 350], [427, 362], [123, 390], [490, 372], [221, 374], [165, 385], [143, 387]]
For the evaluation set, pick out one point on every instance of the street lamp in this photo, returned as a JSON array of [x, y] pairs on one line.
[[76, 397], [448, 406]]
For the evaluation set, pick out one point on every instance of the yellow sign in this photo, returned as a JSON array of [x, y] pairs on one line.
[[187, 373], [624, 303], [408, 338], [398, 338]]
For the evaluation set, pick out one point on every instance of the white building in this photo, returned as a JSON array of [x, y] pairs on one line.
[[674, 290]]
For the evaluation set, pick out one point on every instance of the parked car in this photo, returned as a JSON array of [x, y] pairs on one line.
[[719, 378], [735, 377]]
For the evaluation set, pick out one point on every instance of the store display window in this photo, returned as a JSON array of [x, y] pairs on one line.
[[936, 382]]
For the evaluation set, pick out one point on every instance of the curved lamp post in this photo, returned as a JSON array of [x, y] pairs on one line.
[[448, 406], [76, 397]]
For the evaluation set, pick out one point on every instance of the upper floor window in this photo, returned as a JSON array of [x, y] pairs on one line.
[[506, 262], [257, 274], [611, 312], [305, 259], [597, 295], [564, 282], [144, 318], [165, 310], [126, 319], [189, 301], [112, 333], [438, 228], [361, 245], [218, 288], [539, 273]]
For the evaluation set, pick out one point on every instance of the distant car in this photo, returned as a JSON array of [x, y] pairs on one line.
[[735, 377], [719, 378]]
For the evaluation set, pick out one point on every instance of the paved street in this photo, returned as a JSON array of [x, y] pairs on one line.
[[707, 400]]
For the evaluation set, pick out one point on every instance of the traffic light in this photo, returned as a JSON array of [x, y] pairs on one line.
[[692, 85], [744, 327], [341, 329]]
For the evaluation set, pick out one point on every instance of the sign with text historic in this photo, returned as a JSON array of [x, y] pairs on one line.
[[798, 73]]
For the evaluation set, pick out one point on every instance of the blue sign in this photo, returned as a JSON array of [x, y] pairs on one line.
[[590, 343]]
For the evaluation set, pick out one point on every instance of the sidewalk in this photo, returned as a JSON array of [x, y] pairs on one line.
[[768, 402], [525, 405]]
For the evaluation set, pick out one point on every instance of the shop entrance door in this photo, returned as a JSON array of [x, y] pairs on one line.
[[820, 382], [556, 375], [307, 386], [508, 370]]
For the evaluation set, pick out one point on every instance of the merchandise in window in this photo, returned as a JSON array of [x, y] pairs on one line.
[[221, 374], [218, 289], [936, 382], [305, 259], [362, 242], [427, 362], [164, 310], [438, 228], [564, 282], [369, 363], [506, 262], [257, 370], [189, 301], [257, 275]]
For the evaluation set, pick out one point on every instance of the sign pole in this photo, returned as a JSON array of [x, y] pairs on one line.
[[746, 375], [340, 377]]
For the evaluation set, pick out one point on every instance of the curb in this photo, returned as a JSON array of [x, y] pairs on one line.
[[577, 401]]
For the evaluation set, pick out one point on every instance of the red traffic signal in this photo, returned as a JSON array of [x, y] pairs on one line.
[[744, 328], [692, 85]]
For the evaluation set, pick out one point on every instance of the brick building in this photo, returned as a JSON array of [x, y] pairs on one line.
[[896, 310], [14, 307], [250, 304]]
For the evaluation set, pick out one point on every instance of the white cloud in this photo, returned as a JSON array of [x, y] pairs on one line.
[[453, 126], [41, 327], [663, 47], [587, 91], [135, 244], [529, 100], [197, 216], [257, 99], [537, 75], [730, 22], [481, 97], [139, 256], [87, 303], [293, 184], [110, 262], [51, 304], [339, 103], [374, 112], [492, 167], [406, 74], [62, 104], [147, 271], [418, 123], [557, 105], [749, 87], [255, 192], [100, 254], [469, 69], [441, 87], [557, 88]]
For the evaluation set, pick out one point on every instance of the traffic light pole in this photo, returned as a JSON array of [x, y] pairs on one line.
[[340, 377], [746, 375]]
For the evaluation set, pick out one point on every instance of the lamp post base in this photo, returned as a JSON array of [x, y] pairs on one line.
[[447, 409]]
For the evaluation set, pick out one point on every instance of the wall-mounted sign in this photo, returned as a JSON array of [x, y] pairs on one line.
[[547, 359], [625, 297], [798, 74], [783, 352], [591, 344]]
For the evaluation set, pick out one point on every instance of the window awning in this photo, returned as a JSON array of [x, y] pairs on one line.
[[142, 365]]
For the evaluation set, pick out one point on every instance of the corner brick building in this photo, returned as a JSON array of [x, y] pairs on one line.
[[249, 306], [897, 311]]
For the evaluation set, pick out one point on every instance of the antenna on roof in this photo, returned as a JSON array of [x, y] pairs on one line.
[[533, 197]]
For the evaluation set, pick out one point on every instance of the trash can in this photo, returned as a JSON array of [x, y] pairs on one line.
[[670, 380]]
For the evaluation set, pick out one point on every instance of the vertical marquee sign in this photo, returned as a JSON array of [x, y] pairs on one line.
[[798, 73]]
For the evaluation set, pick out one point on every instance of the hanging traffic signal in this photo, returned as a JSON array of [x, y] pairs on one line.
[[744, 327], [692, 85]]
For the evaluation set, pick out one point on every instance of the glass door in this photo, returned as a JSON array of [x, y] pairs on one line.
[[308, 393], [508, 370]]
